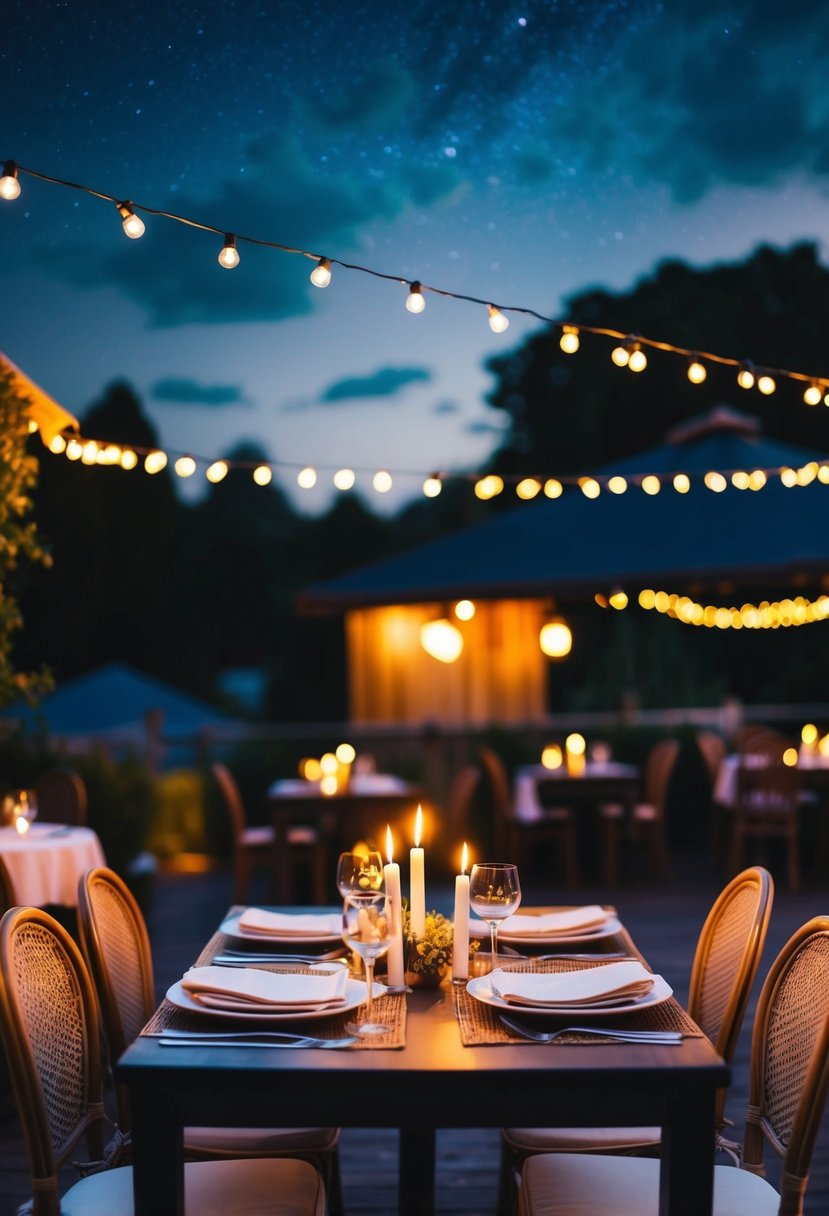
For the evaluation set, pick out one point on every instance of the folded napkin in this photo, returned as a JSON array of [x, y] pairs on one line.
[[593, 987], [285, 924], [248, 989], [548, 924]]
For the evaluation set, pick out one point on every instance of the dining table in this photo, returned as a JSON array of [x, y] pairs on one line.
[[447, 1062], [45, 863], [357, 811], [608, 781]]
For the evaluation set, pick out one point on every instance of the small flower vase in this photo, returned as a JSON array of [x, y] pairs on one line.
[[419, 974]]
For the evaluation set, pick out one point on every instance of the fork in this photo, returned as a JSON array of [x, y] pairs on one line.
[[248, 1038], [664, 1037]]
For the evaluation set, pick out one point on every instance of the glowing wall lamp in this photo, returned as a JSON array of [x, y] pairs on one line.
[[442, 640], [556, 638]]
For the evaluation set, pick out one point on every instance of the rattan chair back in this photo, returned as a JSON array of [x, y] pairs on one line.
[[790, 1061], [461, 796], [61, 797], [727, 958], [50, 1032], [658, 769], [713, 750], [232, 800]]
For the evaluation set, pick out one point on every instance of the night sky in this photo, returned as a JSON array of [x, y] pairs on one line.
[[514, 152]]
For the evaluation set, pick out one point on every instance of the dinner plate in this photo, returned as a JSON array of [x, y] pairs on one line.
[[480, 989], [355, 995], [232, 928], [607, 929]]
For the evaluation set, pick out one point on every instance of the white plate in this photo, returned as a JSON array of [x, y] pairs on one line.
[[611, 925], [355, 995], [480, 989], [232, 928]]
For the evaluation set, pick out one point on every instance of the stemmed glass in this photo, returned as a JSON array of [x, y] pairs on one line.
[[359, 872], [365, 929], [494, 894]]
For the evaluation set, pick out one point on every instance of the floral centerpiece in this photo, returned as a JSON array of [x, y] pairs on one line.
[[428, 959]]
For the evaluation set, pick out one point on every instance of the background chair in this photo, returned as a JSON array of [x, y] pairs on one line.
[[459, 803], [254, 845], [767, 803], [725, 964], [116, 946], [512, 835], [61, 797], [647, 823], [789, 1082], [713, 750], [49, 1024], [7, 896]]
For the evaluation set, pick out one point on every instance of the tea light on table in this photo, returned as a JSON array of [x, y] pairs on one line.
[[22, 824], [575, 748], [417, 885], [460, 923], [394, 911]]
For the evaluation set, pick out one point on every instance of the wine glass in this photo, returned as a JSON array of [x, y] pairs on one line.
[[359, 872], [494, 894], [365, 929]]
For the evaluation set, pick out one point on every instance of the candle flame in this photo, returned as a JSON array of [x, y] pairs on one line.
[[418, 825], [389, 845], [22, 825], [464, 858]]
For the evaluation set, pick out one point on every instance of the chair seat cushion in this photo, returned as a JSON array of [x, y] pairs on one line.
[[580, 1139], [275, 1187], [259, 1141], [566, 1184], [257, 837]]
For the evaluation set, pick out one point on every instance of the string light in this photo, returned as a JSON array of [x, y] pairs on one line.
[[229, 256], [132, 224], [528, 488], [185, 466], [263, 475], [629, 353], [765, 615], [321, 274], [681, 483], [489, 486], [10, 182], [154, 462], [432, 486], [813, 395], [382, 481], [216, 472], [128, 459], [617, 485], [306, 478], [651, 484], [696, 372], [415, 300], [344, 479], [497, 321]]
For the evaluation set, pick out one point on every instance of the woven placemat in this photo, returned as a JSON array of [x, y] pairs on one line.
[[480, 1025], [389, 1009]]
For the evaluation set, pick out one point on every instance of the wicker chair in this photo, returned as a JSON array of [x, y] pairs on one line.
[[512, 834], [7, 895], [648, 817], [725, 964], [767, 805], [787, 1095], [49, 1024], [116, 946], [462, 793], [61, 797], [254, 845]]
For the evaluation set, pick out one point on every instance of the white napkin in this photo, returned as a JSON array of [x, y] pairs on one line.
[[548, 924], [593, 987], [286, 924], [253, 990]]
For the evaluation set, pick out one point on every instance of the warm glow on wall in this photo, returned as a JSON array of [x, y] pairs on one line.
[[442, 640]]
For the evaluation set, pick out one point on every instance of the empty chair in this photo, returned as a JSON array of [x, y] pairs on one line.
[[725, 964], [7, 896], [767, 803], [512, 834], [49, 1023], [647, 821], [61, 797], [254, 845], [788, 1085], [462, 793], [713, 750]]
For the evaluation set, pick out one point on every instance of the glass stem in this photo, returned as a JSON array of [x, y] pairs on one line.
[[369, 986], [493, 933]]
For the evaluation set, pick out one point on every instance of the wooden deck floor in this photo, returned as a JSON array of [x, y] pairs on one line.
[[664, 921]]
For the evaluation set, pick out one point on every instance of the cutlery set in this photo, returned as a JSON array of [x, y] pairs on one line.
[[663, 1037], [247, 1038]]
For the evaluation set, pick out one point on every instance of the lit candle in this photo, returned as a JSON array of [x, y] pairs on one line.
[[460, 929], [417, 885], [394, 913], [22, 824]]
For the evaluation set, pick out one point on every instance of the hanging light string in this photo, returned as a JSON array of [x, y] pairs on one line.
[[765, 615], [630, 352]]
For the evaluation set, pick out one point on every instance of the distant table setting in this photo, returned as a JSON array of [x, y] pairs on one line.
[[46, 860], [592, 782]]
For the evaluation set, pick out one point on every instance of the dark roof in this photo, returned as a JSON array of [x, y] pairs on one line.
[[571, 546]]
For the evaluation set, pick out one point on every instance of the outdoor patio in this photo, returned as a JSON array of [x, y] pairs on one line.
[[664, 920]]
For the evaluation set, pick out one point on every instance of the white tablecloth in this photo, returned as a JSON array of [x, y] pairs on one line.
[[46, 863], [528, 806]]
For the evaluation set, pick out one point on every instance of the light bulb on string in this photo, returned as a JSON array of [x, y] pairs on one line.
[[10, 182], [697, 372], [569, 340], [415, 300], [382, 481], [497, 321], [154, 462], [128, 459], [306, 478], [132, 224], [344, 479], [321, 274], [263, 475], [432, 486], [766, 384], [813, 395], [229, 256], [216, 472], [638, 360], [185, 466], [745, 376]]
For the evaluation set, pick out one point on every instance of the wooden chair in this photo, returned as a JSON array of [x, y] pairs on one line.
[[254, 845], [7, 895], [116, 946], [713, 750], [787, 1095], [513, 835], [49, 1024], [725, 964], [647, 820], [767, 803], [462, 793], [61, 797]]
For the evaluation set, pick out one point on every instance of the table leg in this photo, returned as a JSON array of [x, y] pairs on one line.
[[281, 871], [686, 1175], [416, 1186], [157, 1154]]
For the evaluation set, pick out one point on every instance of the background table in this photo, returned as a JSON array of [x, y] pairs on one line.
[[46, 862], [610, 782]]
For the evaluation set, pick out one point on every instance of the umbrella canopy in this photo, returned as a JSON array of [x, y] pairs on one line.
[[49, 417], [574, 546]]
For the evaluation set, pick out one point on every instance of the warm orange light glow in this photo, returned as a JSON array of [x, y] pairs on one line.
[[464, 858], [556, 638], [389, 845], [328, 785], [328, 763], [22, 824], [418, 828], [311, 769], [464, 610], [809, 734], [575, 744], [442, 640], [345, 753], [790, 757], [552, 757]]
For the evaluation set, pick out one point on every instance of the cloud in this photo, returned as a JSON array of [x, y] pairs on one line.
[[190, 392], [378, 99], [481, 427], [445, 407], [385, 382]]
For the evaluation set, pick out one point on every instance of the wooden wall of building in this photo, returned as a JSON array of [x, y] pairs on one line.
[[501, 676]]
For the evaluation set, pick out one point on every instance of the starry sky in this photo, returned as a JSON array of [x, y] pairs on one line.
[[515, 152]]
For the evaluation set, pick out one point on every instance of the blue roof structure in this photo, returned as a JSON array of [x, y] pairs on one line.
[[572, 546]]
